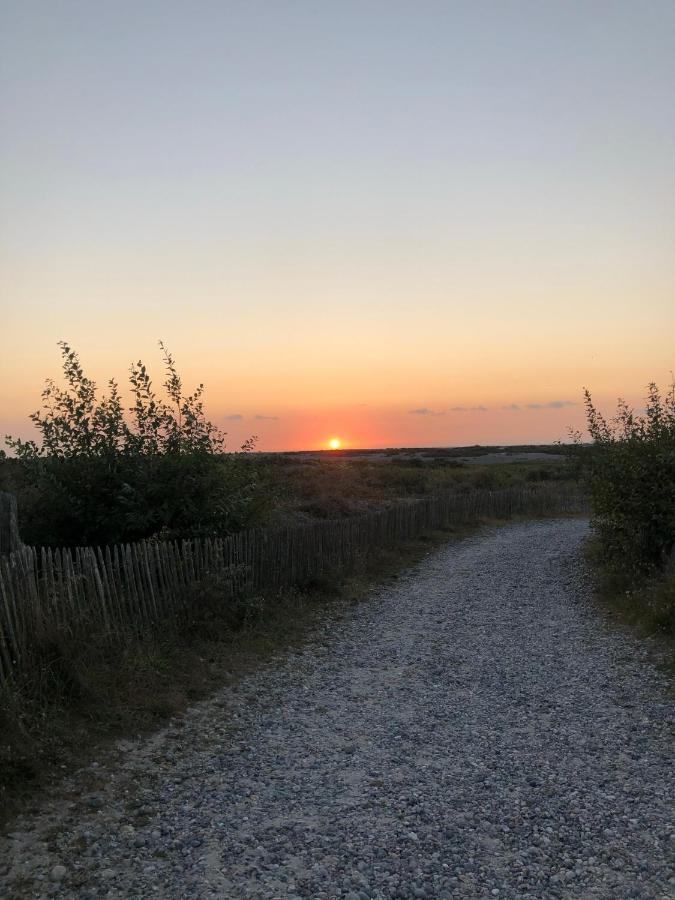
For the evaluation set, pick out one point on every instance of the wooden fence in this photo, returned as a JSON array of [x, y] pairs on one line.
[[48, 594]]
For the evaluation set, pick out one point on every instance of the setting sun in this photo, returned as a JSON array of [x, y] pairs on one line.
[[334, 443]]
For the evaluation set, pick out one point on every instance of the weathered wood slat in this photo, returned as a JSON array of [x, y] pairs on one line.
[[10, 539]]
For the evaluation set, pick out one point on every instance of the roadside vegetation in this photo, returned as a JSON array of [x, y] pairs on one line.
[[629, 473]]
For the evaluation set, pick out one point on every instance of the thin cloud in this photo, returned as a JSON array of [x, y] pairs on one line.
[[552, 404], [262, 418], [233, 417], [424, 411], [468, 409], [513, 406]]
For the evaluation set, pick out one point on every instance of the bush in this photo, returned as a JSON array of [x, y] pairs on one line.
[[102, 477], [629, 470], [538, 474]]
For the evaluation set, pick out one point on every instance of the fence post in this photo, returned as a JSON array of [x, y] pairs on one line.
[[10, 539]]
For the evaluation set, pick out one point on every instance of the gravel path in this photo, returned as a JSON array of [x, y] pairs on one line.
[[474, 730]]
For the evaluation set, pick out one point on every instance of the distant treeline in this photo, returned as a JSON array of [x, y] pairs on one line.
[[474, 450]]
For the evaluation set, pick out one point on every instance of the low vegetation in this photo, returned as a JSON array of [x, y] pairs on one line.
[[328, 484], [159, 471], [629, 474], [105, 474]]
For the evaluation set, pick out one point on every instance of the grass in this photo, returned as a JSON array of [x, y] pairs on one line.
[[646, 607], [89, 695]]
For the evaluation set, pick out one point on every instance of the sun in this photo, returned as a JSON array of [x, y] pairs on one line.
[[335, 443]]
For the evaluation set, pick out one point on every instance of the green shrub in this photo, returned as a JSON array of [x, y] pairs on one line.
[[629, 470], [538, 474], [100, 476]]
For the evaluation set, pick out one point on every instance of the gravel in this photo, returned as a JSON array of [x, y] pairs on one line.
[[473, 730]]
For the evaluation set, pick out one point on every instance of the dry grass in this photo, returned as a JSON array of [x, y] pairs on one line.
[[646, 608], [327, 486]]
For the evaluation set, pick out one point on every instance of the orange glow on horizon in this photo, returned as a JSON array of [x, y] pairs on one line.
[[410, 263]]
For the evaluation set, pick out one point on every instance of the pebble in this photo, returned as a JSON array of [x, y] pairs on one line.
[[58, 873]]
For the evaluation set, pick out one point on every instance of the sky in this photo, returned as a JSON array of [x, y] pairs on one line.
[[398, 223]]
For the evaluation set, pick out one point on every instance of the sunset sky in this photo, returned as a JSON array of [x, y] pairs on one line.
[[398, 223]]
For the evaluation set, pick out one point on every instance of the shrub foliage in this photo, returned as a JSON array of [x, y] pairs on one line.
[[629, 470], [104, 474]]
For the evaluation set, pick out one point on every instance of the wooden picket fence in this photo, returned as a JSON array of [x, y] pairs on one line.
[[47, 594], [9, 527]]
